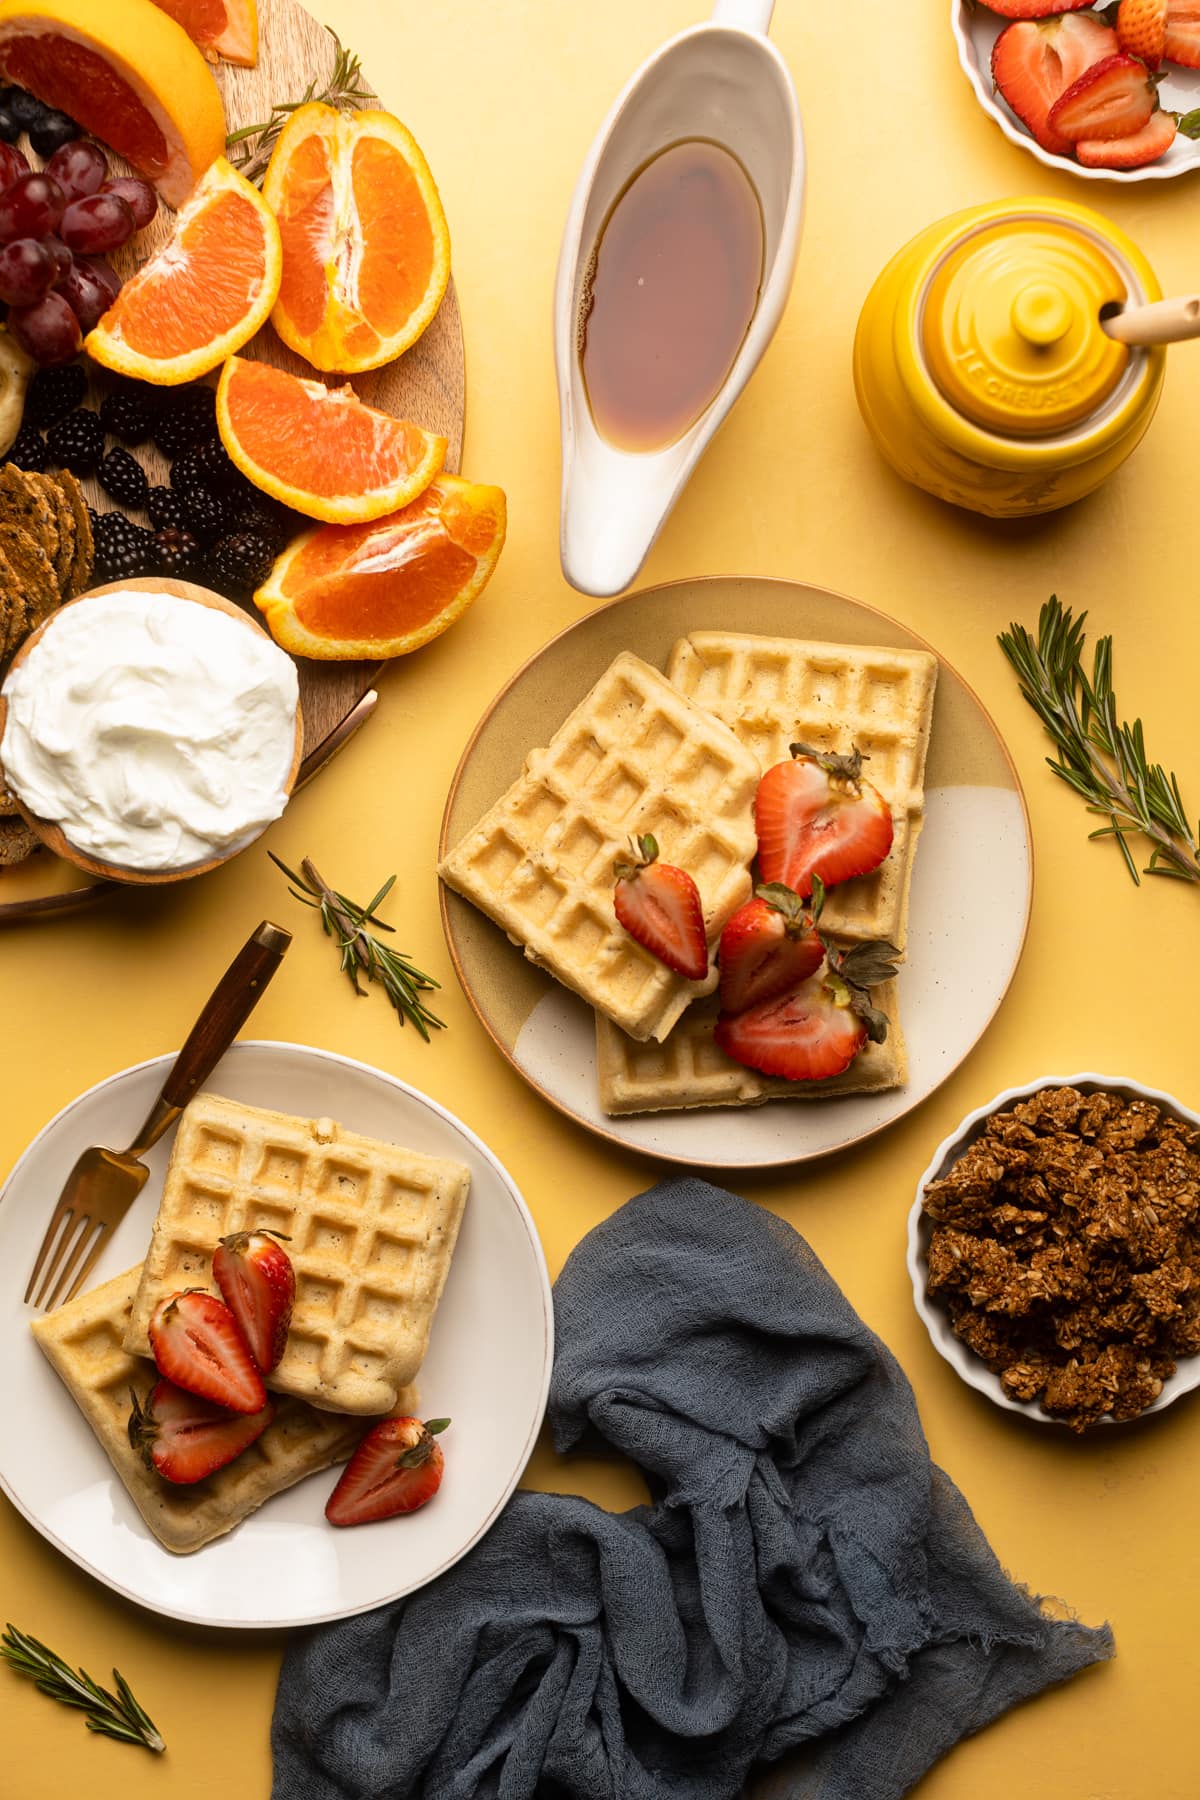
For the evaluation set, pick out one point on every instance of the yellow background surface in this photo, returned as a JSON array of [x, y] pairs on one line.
[[505, 97]]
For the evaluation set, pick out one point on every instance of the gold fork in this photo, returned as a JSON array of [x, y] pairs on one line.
[[104, 1183]]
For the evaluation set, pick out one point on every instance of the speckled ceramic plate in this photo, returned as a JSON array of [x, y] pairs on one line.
[[972, 880]]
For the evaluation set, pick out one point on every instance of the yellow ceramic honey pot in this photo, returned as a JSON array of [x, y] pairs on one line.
[[984, 369]]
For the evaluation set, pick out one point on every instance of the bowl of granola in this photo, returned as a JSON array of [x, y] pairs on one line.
[[1054, 1250]]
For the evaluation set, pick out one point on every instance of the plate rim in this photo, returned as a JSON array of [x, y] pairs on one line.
[[526, 1451], [674, 1158]]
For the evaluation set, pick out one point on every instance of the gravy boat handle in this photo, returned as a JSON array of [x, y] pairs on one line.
[[745, 15]]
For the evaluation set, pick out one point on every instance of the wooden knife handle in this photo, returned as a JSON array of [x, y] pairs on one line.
[[229, 1006]]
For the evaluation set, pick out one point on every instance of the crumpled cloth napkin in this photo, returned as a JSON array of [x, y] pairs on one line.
[[805, 1591]]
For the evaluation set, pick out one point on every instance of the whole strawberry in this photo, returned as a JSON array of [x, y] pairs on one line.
[[198, 1345], [1142, 30], [659, 905], [184, 1438], [397, 1467], [258, 1284]]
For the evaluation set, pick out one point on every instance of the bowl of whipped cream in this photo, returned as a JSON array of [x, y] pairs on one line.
[[150, 730]]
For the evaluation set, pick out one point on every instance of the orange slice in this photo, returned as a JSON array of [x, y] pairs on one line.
[[203, 294], [128, 74], [366, 250], [225, 29], [320, 449], [386, 588]]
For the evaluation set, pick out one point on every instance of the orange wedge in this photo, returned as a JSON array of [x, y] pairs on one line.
[[128, 74], [366, 250], [203, 295], [319, 449], [386, 588], [224, 29]]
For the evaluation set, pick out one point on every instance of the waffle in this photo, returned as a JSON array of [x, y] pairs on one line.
[[371, 1231], [774, 692], [83, 1343], [633, 757], [689, 1070]]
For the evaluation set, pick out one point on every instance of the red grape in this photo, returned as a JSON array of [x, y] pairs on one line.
[[48, 329], [12, 164], [98, 222], [138, 195], [31, 207], [58, 250], [79, 169], [85, 293], [105, 274], [27, 271]]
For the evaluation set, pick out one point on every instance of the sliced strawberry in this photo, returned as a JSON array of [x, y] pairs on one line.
[[1144, 146], [396, 1468], [1142, 30], [186, 1438], [816, 815], [258, 1283], [659, 905], [1035, 61], [197, 1345], [818, 1028], [1035, 9], [1181, 43], [1112, 99], [768, 945]]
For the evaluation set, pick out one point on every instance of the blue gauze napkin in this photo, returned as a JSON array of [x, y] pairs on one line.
[[805, 1591]]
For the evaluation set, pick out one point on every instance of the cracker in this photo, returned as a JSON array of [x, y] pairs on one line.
[[24, 502], [36, 581], [64, 520], [17, 841], [8, 800], [85, 550], [14, 614]]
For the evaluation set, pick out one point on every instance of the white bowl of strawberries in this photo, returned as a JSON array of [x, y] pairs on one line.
[[1109, 97]]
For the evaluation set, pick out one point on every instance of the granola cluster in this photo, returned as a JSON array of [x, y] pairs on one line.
[[1066, 1249]]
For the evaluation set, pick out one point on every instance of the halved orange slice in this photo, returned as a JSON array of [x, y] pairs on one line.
[[320, 449], [366, 249], [128, 74], [224, 29], [386, 588], [203, 295]]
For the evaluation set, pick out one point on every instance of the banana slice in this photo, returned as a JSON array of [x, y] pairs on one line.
[[15, 371]]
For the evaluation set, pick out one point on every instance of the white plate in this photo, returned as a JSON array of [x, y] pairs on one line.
[[920, 1230], [488, 1368], [975, 32]]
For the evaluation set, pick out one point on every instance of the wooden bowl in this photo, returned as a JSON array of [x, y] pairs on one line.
[[52, 835]]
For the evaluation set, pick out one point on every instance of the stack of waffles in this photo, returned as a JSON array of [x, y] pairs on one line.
[[680, 756], [371, 1230]]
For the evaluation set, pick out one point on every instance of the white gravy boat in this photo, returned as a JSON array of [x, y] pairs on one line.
[[724, 81]]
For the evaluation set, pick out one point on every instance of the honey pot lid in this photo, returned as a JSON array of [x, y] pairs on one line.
[[1012, 332]]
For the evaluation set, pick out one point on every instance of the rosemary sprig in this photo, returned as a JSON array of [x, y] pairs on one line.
[[362, 953], [112, 1715], [249, 150], [1097, 754]]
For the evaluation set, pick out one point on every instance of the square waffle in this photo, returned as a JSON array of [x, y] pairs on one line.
[[371, 1231], [689, 1070], [635, 756], [83, 1343], [773, 692]]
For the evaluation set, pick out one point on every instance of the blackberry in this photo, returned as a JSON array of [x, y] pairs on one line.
[[269, 525], [29, 450], [123, 549], [203, 513], [53, 393], [187, 421], [123, 476], [239, 562], [128, 412], [177, 549], [215, 467], [165, 506], [185, 472], [76, 442]]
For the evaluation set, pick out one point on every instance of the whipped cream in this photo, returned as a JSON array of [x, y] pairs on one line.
[[156, 732]]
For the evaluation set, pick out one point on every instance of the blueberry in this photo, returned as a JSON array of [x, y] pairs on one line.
[[25, 107], [10, 131], [51, 132]]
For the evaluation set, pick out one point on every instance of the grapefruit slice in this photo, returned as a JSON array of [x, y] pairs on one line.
[[203, 295], [225, 30], [128, 74], [385, 588], [319, 449], [366, 249]]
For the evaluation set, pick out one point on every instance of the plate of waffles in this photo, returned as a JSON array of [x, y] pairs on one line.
[[658, 715], [421, 1288]]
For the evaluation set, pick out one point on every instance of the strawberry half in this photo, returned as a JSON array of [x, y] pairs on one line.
[[1037, 60], [1144, 146], [258, 1284], [197, 1345], [659, 905], [1112, 99], [396, 1468], [816, 815], [1142, 30], [769, 944], [1181, 42], [817, 1029], [186, 1438]]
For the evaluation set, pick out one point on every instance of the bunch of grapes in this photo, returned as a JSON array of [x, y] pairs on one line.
[[56, 225]]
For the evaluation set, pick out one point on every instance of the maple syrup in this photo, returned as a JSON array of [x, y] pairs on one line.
[[669, 294]]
